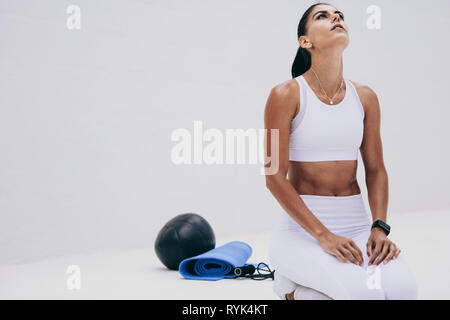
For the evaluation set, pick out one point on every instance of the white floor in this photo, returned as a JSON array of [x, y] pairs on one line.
[[138, 274]]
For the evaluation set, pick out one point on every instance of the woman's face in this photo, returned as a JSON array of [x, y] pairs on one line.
[[321, 32]]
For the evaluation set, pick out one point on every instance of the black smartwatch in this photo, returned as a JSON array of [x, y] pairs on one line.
[[383, 225]]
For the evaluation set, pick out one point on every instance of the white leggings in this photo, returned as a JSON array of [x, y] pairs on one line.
[[299, 260]]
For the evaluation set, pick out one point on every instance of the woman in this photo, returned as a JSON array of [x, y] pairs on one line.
[[325, 246]]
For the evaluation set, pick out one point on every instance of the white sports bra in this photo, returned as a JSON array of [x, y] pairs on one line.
[[321, 132]]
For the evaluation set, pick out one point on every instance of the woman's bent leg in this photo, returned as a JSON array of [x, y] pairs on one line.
[[299, 257], [395, 278]]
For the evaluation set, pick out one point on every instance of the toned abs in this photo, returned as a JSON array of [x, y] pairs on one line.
[[326, 178]]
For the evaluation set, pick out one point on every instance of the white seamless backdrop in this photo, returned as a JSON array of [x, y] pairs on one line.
[[86, 115]]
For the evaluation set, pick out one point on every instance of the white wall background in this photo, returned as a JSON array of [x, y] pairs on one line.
[[86, 115]]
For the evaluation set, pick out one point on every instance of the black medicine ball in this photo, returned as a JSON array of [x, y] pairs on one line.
[[184, 236]]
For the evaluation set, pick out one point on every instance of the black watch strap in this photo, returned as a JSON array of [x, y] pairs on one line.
[[383, 225]]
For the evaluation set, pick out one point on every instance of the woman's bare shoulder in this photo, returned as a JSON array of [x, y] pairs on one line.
[[366, 94], [285, 96]]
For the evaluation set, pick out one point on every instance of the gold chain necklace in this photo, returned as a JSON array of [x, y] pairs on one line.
[[331, 99]]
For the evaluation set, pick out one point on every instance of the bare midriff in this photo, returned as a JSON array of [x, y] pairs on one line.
[[324, 178]]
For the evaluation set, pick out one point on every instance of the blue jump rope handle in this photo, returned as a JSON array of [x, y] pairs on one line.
[[244, 270]]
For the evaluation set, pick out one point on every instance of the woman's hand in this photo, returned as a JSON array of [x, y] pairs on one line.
[[342, 248], [380, 247]]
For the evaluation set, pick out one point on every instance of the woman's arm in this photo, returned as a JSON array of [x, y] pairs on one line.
[[280, 108], [379, 247], [372, 155]]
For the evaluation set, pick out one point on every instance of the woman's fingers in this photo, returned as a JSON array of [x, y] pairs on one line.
[[397, 253], [358, 250], [340, 256], [374, 253], [355, 252], [369, 248], [348, 254], [391, 254], [383, 253]]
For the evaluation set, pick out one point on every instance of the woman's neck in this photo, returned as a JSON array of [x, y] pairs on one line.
[[329, 69]]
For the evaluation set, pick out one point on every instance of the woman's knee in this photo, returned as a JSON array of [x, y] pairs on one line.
[[361, 286], [361, 289], [305, 293], [398, 281], [402, 288], [366, 294]]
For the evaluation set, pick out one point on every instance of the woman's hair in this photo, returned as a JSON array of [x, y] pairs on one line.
[[302, 61]]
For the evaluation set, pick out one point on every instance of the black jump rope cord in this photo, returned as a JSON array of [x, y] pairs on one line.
[[248, 271]]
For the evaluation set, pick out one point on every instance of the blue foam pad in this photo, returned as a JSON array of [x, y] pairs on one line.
[[217, 263]]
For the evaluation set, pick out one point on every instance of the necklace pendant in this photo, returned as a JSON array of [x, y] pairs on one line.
[[331, 102]]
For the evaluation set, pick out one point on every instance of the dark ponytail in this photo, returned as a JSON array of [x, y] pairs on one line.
[[302, 61]]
